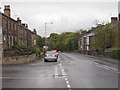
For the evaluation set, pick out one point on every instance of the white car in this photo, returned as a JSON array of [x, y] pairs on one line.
[[55, 51], [50, 56]]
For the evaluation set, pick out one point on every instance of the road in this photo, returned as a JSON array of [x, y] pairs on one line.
[[71, 71]]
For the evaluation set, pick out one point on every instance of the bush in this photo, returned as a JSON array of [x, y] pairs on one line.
[[36, 49], [115, 53]]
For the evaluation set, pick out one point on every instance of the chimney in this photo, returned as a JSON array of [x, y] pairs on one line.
[[7, 10], [113, 20], [119, 10], [34, 31], [18, 20], [119, 16], [26, 25], [23, 24]]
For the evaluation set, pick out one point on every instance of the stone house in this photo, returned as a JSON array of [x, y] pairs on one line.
[[85, 43], [14, 32]]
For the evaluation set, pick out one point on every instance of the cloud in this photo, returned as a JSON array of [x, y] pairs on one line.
[[59, 0], [66, 16]]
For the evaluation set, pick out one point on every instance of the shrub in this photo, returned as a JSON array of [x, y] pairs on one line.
[[115, 53], [36, 49]]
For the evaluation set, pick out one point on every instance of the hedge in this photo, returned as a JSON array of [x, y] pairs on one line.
[[115, 53]]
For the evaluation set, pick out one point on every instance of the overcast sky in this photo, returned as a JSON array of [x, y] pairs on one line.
[[67, 15]]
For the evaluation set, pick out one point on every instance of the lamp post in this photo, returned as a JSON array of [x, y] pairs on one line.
[[45, 31], [45, 36]]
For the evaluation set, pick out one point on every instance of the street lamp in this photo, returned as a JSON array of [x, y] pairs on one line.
[[45, 31], [45, 37]]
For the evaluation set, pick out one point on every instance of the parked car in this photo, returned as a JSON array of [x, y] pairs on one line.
[[50, 56]]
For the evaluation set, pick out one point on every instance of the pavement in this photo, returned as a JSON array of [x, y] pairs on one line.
[[104, 58], [71, 71]]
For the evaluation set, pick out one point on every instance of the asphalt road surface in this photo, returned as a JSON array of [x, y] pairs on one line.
[[71, 71]]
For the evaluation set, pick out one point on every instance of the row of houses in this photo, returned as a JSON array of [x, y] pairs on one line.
[[85, 42], [14, 32]]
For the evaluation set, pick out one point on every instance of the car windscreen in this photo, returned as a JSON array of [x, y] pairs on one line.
[[49, 52]]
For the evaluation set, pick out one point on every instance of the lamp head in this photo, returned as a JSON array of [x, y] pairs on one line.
[[51, 23]]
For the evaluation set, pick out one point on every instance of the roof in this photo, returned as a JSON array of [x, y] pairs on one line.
[[88, 35]]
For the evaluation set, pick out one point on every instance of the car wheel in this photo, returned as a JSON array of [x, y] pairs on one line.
[[55, 60], [45, 60]]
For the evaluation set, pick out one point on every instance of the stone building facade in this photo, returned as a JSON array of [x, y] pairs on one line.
[[85, 42], [14, 31]]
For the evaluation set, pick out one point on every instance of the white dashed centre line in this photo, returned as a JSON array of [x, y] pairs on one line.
[[67, 82], [66, 79], [68, 86], [56, 72], [64, 74]]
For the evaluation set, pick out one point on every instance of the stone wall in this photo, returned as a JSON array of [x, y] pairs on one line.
[[1, 51], [19, 59]]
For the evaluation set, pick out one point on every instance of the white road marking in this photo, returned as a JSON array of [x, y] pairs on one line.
[[95, 63], [60, 64], [64, 74], [91, 63], [67, 82], [113, 68], [66, 79], [68, 86], [103, 67], [62, 70], [20, 78], [56, 72]]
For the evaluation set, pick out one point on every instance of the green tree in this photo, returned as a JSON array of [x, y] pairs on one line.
[[67, 41], [104, 37], [40, 41]]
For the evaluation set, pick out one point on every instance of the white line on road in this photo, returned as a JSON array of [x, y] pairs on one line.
[[67, 82], [113, 68], [68, 86], [64, 74], [95, 63], [56, 72], [105, 67], [62, 70], [20, 78], [66, 79]]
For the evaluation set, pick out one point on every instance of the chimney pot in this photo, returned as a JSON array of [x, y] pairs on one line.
[[7, 10], [23, 24], [34, 31], [26, 25], [114, 19], [18, 20]]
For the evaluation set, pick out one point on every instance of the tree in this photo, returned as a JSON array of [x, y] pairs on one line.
[[40, 41], [67, 41], [104, 37]]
